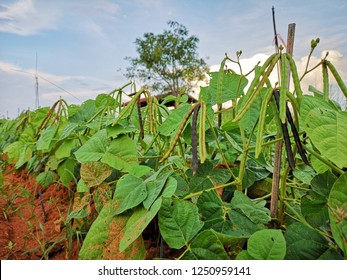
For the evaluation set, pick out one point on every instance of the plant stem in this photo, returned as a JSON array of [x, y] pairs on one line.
[[191, 195], [219, 148], [302, 220], [325, 161]]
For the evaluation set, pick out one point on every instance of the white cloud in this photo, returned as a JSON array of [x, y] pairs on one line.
[[28, 17]]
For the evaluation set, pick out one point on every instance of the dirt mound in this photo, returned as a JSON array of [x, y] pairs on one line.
[[32, 219]]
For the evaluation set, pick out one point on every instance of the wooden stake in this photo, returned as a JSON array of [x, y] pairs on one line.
[[278, 146]]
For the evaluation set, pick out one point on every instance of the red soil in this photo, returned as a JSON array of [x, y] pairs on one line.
[[27, 234], [24, 232]]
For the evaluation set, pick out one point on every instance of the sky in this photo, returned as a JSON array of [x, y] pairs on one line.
[[81, 45]]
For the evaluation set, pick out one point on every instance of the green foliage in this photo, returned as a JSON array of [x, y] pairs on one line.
[[167, 61], [304, 243], [314, 204], [178, 222], [266, 244], [119, 153], [337, 203], [136, 169], [326, 127], [138, 222], [228, 85], [104, 237], [206, 246], [130, 192]]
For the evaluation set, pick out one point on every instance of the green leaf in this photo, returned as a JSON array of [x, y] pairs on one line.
[[207, 177], [234, 243], [94, 149], [68, 130], [103, 100], [14, 151], [104, 237], [101, 195], [130, 192], [206, 246], [249, 120], [178, 222], [81, 206], [94, 173], [314, 204], [255, 211], [337, 202], [137, 223], [171, 124], [170, 187], [211, 209], [226, 84], [310, 102], [84, 113], [121, 154], [259, 170], [46, 140], [65, 148], [66, 171], [140, 170], [304, 243], [267, 244], [318, 165], [327, 129], [25, 155], [82, 186], [46, 178], [239, 225], [154, 185], [116, 130], [244, 255], [304, 173]]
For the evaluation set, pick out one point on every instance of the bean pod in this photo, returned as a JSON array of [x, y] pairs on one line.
[[284, 88], [337, 78], [262, 117], [178, 134]]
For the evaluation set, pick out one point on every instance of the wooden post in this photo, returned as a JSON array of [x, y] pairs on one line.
[[278, 146], [290, 44]]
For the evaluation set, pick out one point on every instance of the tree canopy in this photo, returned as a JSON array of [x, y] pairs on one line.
[[168, 61]]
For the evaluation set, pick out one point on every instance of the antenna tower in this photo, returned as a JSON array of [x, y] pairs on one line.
[[37, 103]]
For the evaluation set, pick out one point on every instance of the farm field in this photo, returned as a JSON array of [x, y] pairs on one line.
[[264, 178]]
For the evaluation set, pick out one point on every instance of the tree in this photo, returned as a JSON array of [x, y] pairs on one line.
[[168, 61]]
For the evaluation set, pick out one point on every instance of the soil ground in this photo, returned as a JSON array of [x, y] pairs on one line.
[[27, 232]]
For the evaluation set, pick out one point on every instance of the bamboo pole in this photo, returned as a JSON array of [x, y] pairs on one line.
[[279, 145]]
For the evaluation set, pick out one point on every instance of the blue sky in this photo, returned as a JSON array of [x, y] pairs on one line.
[[81, 44]]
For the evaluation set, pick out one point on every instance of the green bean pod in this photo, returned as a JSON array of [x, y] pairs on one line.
[[259, 73], [293, 101], [195, 159], [325, 81], [178, 134], [127, 109], [295, 77], [337, 78], [283, 88], [202, 130], [253, 96], [262, 117]]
